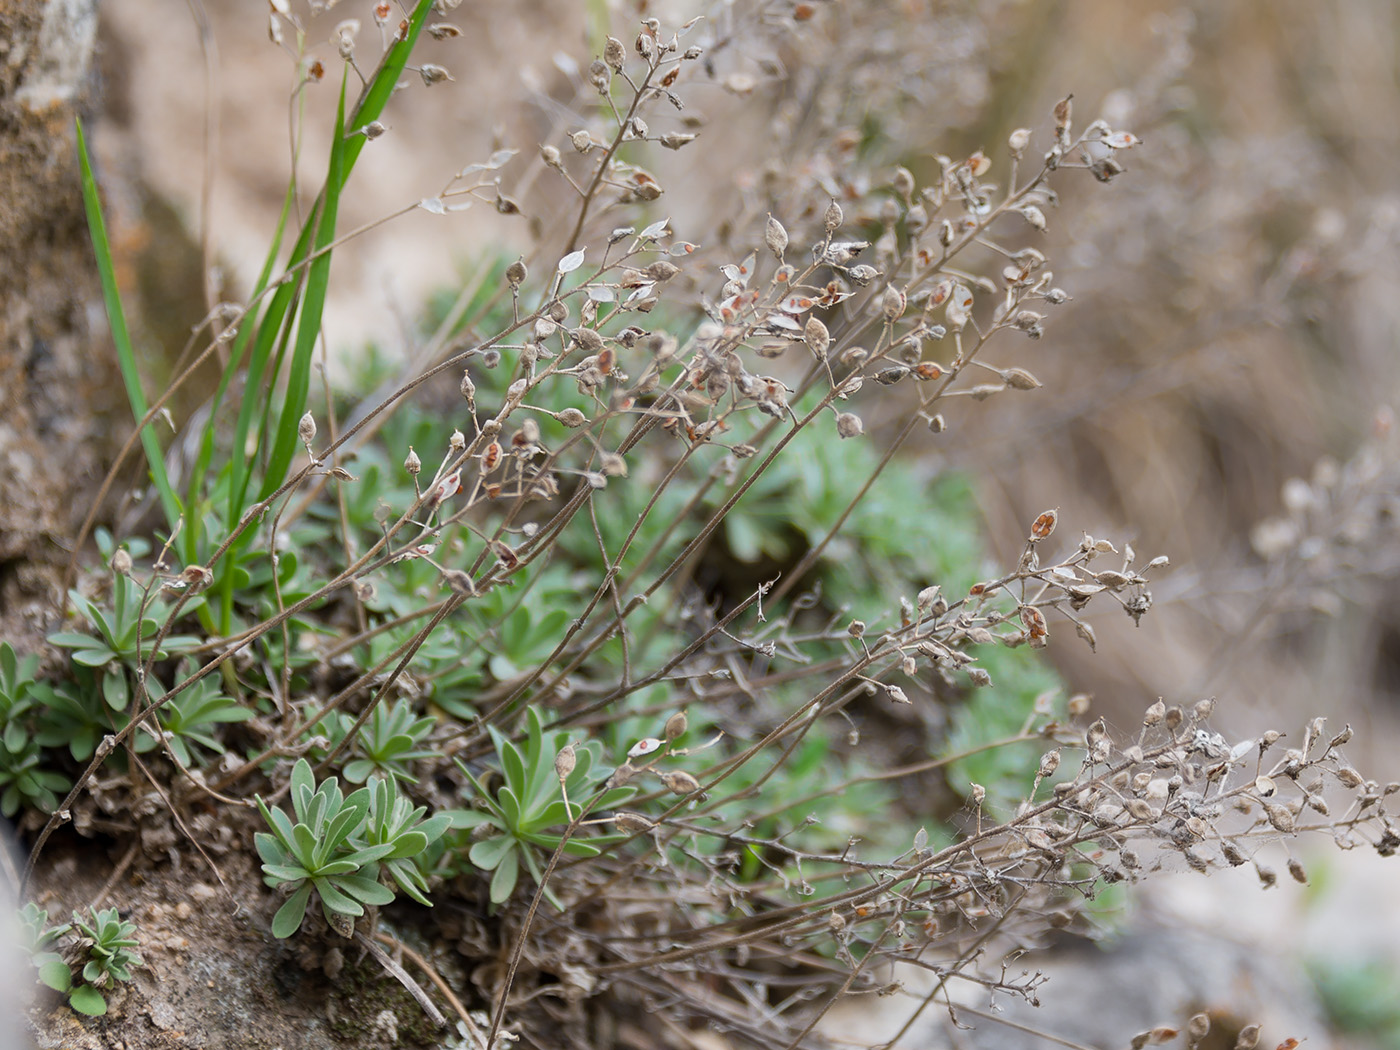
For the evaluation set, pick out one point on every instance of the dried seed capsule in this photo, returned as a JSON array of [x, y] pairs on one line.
[[675, 726], [833, 218], [680, 782], [1044, 525], [632, 823], [564, 762], [614, 54], [306, 429], [903, 183], [412, 463], [1019, 379], [849, 425], [516, 273], [1281, 817], [121, 562], [468, 389], [892, 304], [776, 237], [459, 582]]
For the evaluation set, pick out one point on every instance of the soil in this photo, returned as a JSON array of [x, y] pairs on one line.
[[214, 976]]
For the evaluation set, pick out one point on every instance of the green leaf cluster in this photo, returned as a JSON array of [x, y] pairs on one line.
[[336, 845], [108, 943], [525, 813]]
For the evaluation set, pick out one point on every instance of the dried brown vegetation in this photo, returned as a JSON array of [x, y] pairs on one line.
[[712, 314]]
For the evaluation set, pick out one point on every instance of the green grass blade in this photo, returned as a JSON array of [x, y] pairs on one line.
[[309, 321], [199, 474], [116, 318]]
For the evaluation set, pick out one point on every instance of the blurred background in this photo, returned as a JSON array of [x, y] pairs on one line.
[[1218, 390]]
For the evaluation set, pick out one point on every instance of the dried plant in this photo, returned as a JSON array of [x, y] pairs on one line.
[[588, 545]]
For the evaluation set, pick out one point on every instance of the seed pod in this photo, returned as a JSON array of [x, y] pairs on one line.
[[632, 823], [459, 582], [817, 338], [833, 218], [614, 54], [621, 775], [903, 183], [468, 389], [433, 74], [306, 429], [675, 726], [1019, 140], [892, 304], [516, 273], [572, 418], [121, 562], [1019, 379], [680, 782], [1248, 1038], [776, 237], [1281, 817], [412, 463], [564, 762], [491, 457], [1203, 709], [456, 442], [642, 747], [1044, 525], [661, 271], [1049, 762], [849, 425], [582, 141], [1296, 870]]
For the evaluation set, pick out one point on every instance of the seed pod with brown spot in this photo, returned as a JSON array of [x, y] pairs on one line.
[[491, 457], [1044, 525]]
